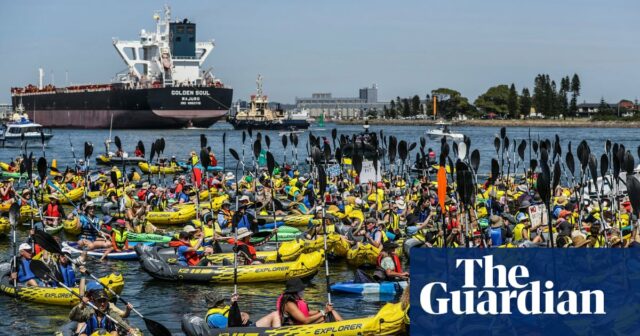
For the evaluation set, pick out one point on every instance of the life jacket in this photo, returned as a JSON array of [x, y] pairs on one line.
[[496, 236], [251, 248], [293, 192], [24, 271], [142, 194], [120, 238], [599, 240], [302, 306], [87, 229], [517, 232], [68, 275], [396, 262], [213, 160], [190, 258], [92, 324], [53, 210], [567, 240], [394, 221], [217, 311], [227, 215]]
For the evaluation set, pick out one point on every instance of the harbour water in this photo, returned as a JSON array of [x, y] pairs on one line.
[[166, 302]]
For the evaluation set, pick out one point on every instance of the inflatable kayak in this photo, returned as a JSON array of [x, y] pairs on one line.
[[53, 229], [107, 160], [154, 169], [186, 166], [390, 320], [71, 226], [72, 248], [5, 226], [363, 255], [382, 288], [73, 195], [182, 216], [306, 266], [6, 174], [148, 237], [27, 213], [52, 295], [293, 220]]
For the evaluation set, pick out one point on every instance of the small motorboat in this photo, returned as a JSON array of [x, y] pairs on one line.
[[443, 131], [21, 131]]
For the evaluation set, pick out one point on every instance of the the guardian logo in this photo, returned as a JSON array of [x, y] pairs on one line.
[[506, 291]]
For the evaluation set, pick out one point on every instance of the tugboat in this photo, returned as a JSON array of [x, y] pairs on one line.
[[260, 116], [21, 131]]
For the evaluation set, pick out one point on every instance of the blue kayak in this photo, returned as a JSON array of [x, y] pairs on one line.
[[186, 166], [382, 288], [270, 226], [72, 248]]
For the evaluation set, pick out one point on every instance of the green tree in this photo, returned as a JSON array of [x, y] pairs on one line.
[[406, 109], [393, 112], [603, 108], [455, 105], [415, 105], [494, 100], [525, 102], [512, 102], [538, 94], [575, 93]]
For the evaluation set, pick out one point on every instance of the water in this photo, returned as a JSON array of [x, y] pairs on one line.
[[165, 301]]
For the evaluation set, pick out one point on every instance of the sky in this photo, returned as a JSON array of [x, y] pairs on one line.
[[338, 46]]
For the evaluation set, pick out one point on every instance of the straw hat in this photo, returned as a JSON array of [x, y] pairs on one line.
[[579, 241], [244, 232], [496, 221]]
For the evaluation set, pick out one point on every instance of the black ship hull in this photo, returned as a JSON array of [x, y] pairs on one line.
[[286, 124], [153, 108]]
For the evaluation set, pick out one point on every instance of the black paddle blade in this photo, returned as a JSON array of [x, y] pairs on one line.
[[203, 141], [423, 142], [157, 329], [356, 161], [257, 148], [29, 166], [533, 164], [234, 316], [475, 160], [141, 147], [90, 149], [633, 187], [40, 269], [86, 150], [162, 143], [570, 163], [271, 163], [205, 160], [316, 155], [234, 154], [593, 169], [544, 156], [42, 137], [506, 144], [543, 188], [521, 148], [118, 142], [392, 148], [284, 141], [114, 178], [496, 144], [153, 151], [556, 175], [607, 146], [534, 145], [403, 150], [224, 138], [338, 155], [412, 146], [295, 140], [259, 136], [495, 170], [604, 165], [629, 163], [267, 141], [327, 154], [467, 141], [250, 131], [569, 147], [322, 181], [42, 168], [244, 137], [503, 132], [334, 134]]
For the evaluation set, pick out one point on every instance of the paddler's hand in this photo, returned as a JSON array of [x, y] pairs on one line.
[[82, 269], [85, 300], [14, 275], [234, 297], [328, 308], [128, 308], [274, 230]]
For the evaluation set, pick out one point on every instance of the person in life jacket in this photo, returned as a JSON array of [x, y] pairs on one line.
[[246, 249], [24, 274], [91, 236], [595, 237], [372, 233], [564, 233], [225, 215], [294, 310], [388, 266], [64, 271], [391, 216], [218, 312], [138, 152], [187, 254], [498, 232], [53, 212], [92, 319], [212, 158], [119, 239], [6, 191]]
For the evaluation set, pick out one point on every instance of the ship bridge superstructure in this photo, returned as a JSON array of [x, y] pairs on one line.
[[168, 56]]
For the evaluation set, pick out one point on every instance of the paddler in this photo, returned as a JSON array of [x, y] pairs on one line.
[[246, 249], [96, 319], [53, 212], [119, 239], [388, 266], [294, 310], [90, 229], [187, 254], [24, 274], [218, 313]]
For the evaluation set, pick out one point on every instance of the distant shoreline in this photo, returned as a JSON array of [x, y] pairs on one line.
[[507, 123]]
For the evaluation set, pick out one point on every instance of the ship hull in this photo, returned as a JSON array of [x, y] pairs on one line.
[[154, 108], [269, 125]]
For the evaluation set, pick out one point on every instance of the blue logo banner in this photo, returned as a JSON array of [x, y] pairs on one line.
[[525, 291]]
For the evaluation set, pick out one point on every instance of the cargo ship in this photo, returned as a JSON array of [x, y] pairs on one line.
[[260, 116], [164, 87]]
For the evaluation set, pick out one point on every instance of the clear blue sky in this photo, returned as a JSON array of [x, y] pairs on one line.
[[300, 47]]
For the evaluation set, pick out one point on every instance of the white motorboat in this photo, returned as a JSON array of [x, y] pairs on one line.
[[443, 131], [21, 131]]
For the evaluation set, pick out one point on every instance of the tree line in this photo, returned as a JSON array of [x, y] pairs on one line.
[[548, 99]]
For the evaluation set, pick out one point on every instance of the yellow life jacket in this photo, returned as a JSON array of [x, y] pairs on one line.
[[600, 242], [394, 221], [517, 232], [294, 191], [194, 160], [120, 238], [222, 311]]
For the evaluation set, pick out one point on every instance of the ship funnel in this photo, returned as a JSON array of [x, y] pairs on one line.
[[40, 78]]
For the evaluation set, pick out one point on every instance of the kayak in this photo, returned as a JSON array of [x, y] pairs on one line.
[[216, 201], [306, 266], [52, 295], [382, 288], [363, 255], [6, 174], [148, 237], [4, 207], [293, 220], [27, 213], [71, 226], [72, 248], [390, 320], [74, 195], [182, 216], [53, 229], [5, 226], [186, 166], [154, 169], [107, 160]]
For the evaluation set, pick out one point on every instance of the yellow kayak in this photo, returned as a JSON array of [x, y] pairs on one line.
[[182, 216], [54, 295], [26, 213], [153, 169], [72, 226], [363, 254], [73, 195], [5, 227], [4, 206], [216, 202]]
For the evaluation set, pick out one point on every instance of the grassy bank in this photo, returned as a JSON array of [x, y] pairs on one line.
[[510, 123]]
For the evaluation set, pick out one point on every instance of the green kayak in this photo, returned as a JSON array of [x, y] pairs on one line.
[[285, 233], [148, 237], [6, 174]]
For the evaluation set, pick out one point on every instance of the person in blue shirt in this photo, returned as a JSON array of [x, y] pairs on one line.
[[91, 237], [24, 274]]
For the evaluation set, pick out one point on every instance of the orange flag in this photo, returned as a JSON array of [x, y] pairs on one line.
[[442, 187]]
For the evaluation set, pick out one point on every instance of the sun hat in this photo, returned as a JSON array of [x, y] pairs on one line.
[[189, 228], [294, 285], [213, 299], [244, 232], [24, 246]]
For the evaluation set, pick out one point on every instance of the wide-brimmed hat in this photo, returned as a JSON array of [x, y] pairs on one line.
[[243, 232], [24, 246], [230, 176], [213, 299], [189, 228], [53, 197], [401, 204], [389, 245], [244, 198], [294, 285], [579, 241], [89, 204], [145, 185], [525, 204]]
